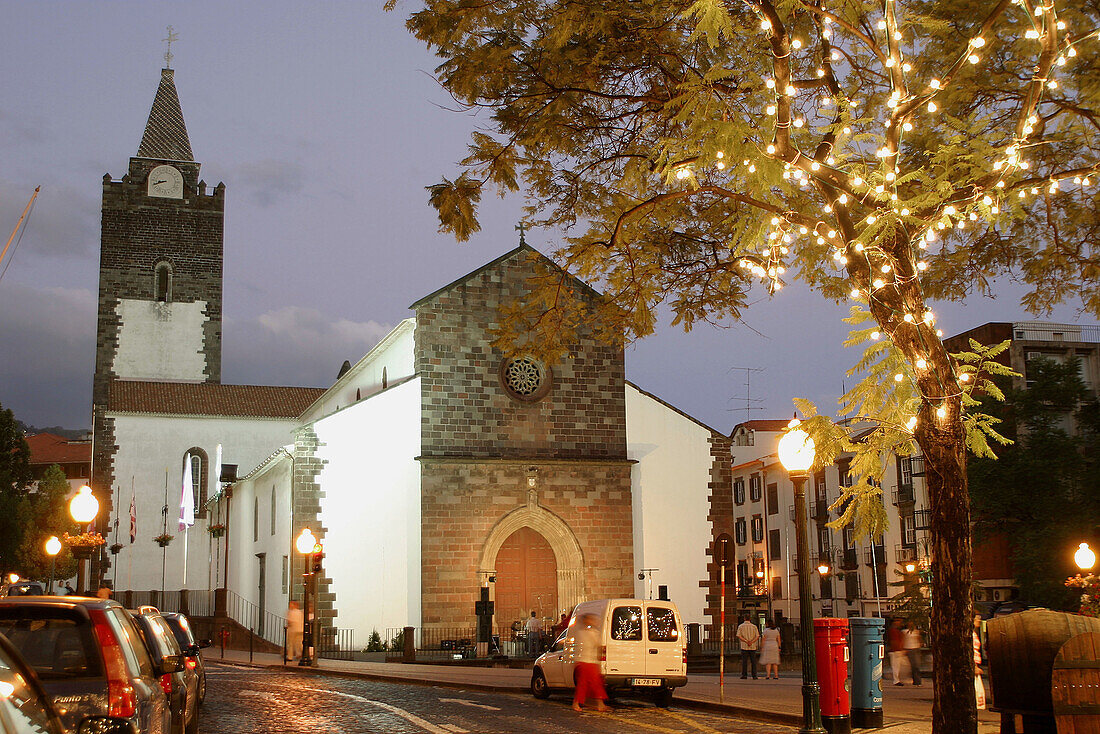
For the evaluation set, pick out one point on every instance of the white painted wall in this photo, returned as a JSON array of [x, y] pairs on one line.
[[393, 355], [160, 341], [151, 446], [669, 484], [371, 510]]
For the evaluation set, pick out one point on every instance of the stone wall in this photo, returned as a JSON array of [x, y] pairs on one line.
[[721, 521]]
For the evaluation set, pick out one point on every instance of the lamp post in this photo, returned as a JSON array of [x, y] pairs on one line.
[[796, 453], [83, 508], [1085, 558], [310, 548], [53, 547]]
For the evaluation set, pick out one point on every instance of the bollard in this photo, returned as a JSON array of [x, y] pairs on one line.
[[867, 655], [831, 651], [251, 634]]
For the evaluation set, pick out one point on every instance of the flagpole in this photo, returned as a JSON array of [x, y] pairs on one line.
[[164, 548], [133, 537], [114, 557]]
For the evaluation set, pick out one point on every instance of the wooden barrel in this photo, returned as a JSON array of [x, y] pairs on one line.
[[1021, 649], [1076, 685]]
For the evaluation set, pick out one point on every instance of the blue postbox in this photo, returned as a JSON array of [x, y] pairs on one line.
[[868, 651]]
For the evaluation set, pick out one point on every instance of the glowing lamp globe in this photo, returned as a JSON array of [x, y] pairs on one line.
[[305, 542], [796, 449], [910, 567], [1085, 558], [53, 546], [13, 578], [84, 506], [823, 569]]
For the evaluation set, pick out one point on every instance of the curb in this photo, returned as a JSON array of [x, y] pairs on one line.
[[763, 716]]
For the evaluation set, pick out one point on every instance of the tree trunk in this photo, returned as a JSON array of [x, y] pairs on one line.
[[954, 709]]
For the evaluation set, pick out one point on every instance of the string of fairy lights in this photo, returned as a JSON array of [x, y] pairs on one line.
[[846, 193]]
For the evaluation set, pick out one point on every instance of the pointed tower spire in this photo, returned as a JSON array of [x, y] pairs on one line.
[[166, 134]]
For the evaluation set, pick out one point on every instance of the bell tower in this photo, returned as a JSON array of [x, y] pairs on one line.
[[160, 272]]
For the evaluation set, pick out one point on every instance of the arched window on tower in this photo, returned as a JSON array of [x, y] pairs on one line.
[[162, 286], [199, 469]]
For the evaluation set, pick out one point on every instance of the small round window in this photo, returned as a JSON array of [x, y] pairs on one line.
[[525, 378]]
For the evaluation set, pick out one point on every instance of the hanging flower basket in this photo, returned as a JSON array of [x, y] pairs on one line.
[[83, 540], [217, 530], [1089, 584], [115, 548], [163, 540]]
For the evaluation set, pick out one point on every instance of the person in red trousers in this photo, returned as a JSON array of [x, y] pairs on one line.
[[586, 654]]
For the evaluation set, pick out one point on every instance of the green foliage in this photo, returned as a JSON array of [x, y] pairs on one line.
[[1043, 491], [374, 643], [47, 513], [15, 479]]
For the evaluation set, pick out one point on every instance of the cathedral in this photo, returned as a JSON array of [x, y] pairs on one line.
[[431, 469]]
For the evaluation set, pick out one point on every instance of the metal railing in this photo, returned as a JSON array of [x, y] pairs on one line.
[[335, 643], [262, 623], [875, 555], [711, 642], [904, 494], [904, 554], [453, 643], [849, 558]]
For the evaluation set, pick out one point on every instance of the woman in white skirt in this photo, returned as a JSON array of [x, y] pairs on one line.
[[769, 650]]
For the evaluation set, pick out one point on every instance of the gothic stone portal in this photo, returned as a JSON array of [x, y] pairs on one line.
[[527, 579]]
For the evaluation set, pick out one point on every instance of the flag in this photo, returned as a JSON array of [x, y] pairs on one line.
[[187, 497], [133, 516], [218, 471]]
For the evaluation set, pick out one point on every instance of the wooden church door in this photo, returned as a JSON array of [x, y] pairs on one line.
[[527, 579]]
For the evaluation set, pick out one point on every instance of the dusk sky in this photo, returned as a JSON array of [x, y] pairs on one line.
[[325, 124]]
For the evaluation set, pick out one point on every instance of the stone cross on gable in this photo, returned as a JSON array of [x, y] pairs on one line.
[[172, 36], [521, 228]]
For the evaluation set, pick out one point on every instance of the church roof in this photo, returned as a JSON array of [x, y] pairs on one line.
[[204, 398], [48, 448], [492, 264], [165, 133]]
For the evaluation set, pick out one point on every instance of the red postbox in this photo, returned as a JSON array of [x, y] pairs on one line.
[[831, 651]]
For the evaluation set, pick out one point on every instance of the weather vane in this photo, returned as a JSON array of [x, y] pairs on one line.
[[172, 36], [521, 228]]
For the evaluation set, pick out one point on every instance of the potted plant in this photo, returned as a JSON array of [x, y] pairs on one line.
[[83, 540], [217, 530], [163, 539], [115, 548]]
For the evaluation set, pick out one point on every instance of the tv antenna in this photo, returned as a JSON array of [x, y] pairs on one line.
[[750, 403]]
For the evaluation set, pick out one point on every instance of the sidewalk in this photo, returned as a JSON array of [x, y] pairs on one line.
[[907, 709]]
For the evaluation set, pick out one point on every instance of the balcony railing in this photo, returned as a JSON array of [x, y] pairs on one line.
[[905, 554], [923, 519], [819, 510], [903, 494], [917, 465], [849, 559], [875, 555]]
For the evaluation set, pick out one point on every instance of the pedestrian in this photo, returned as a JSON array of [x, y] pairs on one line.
[[769, 650], [295, 625], [562, 626], [979, 686], [104, 590], [895, 647], [912, 642], [586, 656], [748, 635], [69, 591], [534, 634]]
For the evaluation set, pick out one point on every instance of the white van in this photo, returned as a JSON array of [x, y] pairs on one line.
[[643, 650]]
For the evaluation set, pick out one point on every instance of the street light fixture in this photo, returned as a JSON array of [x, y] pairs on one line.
[[1085, 558], [53, 547], [796, 453], [83, 508], [312, 552]]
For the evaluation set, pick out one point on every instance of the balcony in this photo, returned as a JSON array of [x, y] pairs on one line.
[[819, 510], [923, 519], [917, 464], [904, 495], [849, 559], [875, 555], [905, 554]]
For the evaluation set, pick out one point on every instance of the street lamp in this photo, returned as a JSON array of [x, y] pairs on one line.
[[796, 453], [13, 578], [83, 508], [1085, 558], [312, 552], [53, 547]]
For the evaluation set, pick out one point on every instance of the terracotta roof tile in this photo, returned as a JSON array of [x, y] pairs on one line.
[[47, 448], [200, 398]]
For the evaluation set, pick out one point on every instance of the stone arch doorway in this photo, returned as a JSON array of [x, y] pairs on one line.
[[540, 527], [527, 578]]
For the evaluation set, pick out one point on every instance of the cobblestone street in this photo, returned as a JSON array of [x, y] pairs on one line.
[[245, 700]]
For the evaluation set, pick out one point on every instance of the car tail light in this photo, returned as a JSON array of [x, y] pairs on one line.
[[122, 703], [166, 683], [684, 655], [191, 663]]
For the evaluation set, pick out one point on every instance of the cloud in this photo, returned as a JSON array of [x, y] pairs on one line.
[[63, 223], [269, 180], [47, 337], [295, 346]]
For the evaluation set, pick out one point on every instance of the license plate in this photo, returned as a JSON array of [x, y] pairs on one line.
[[647, 682]]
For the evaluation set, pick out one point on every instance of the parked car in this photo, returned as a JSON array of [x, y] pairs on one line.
[[90, 659], [645, 650], [181, 628], [23, 588], [179, 680]]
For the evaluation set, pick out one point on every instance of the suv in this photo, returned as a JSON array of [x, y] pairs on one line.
[[22, 588], [90, 659], [179, 680], [181, 628]]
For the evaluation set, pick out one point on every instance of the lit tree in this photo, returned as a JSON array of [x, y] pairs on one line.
[[889, 153]]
